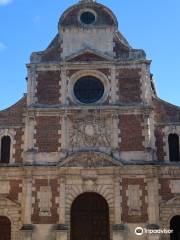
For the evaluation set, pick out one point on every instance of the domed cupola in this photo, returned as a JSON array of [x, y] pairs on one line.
[[87, 24]]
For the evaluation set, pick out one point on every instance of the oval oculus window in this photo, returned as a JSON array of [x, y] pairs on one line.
[[87, 17], [88, 89]]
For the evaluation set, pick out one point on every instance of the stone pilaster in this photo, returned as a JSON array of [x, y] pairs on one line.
[[153, 200]]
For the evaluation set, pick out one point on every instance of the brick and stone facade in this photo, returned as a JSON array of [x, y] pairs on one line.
[[117, 147]]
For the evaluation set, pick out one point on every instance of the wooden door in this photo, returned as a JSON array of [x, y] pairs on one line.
[[5, 228], [175, 226], [90, 218]]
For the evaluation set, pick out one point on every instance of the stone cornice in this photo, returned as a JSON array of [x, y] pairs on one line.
[[92, 64], [59, 109]]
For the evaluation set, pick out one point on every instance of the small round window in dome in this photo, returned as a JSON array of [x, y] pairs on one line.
[[87, 17], [88, 89]]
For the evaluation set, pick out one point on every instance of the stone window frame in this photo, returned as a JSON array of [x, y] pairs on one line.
[[8, 133], [172, 129], [83, 73], [87, 10]]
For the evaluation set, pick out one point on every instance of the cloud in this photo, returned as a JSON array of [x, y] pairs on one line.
[[2, 47], [5, 2]]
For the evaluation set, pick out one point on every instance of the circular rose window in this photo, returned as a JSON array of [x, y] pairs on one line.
[[88, 89], [87, 17]]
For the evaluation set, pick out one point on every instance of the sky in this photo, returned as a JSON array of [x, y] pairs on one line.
[[27, 26]]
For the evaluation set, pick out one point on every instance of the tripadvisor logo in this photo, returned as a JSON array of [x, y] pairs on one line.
[[140, 231]]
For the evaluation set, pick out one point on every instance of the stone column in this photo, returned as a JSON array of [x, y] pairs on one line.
[[28, 201], [62, 201], [118, 229], [117, 202], [62, 228], [153, 205], [153, 200], [27, 228]]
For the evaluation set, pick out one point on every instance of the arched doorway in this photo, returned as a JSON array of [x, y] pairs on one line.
[[175, 226], [5, 228], [90, 218]]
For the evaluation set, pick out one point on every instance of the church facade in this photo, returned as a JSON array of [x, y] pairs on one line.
[[91, 152]]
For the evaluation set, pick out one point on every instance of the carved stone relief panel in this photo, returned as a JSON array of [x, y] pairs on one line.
[[90, 130], [45, 204], [134, 199]]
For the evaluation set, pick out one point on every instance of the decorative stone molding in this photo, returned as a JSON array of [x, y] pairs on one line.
[[83, 73], [91, 130], [89, 160], [73, 191]]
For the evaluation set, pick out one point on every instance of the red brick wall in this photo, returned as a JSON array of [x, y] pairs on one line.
[[14, 114], [131, 133], [165, 190], [165, 112], [15, 189], [159, 143], [53, 219], [48, 88], [47, 137], [129, 85], [18, 145], [126, 218]]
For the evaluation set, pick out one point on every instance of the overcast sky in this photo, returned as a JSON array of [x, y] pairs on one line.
[[30, 25]]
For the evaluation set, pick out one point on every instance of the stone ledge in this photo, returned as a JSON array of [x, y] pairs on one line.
[[119, 227], [61, 227]]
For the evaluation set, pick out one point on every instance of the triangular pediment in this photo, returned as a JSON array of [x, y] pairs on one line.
[[88, 55], [89, 160]]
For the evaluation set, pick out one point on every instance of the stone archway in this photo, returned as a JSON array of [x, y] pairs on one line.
[[5, 228], [10, 212], [90, 218]]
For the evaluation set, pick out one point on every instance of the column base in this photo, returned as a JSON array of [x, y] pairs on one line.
[[119, 231], [27, 231], [61, 231]]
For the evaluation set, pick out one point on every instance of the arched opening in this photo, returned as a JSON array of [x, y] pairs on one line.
[[175, 226], [90, 218], [5, 149], [5, 228], [173, 140]]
